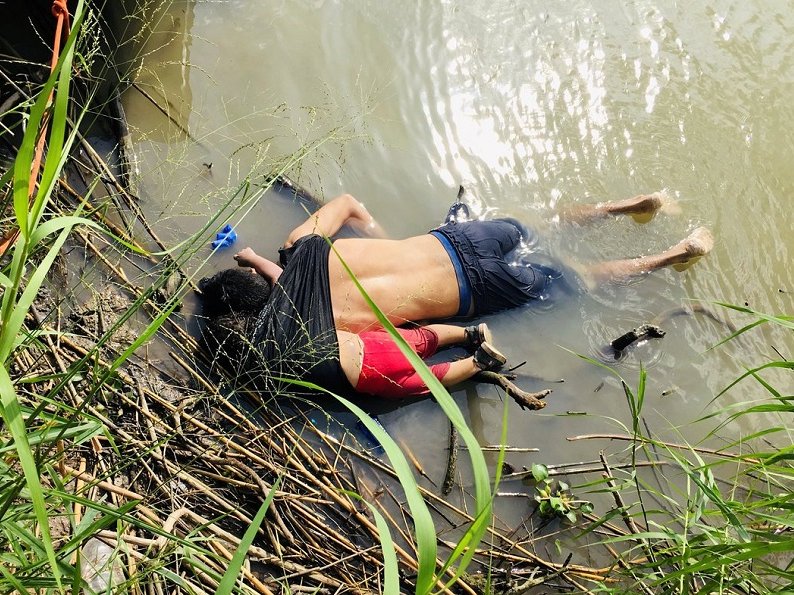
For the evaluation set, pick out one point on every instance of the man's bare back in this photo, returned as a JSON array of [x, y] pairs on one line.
[[409, 280]]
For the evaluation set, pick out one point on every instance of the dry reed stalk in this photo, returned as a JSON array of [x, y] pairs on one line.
[[93, 210], [671, 445], [528, 556]]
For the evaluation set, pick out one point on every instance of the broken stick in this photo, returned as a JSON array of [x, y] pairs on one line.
[[525, 400]]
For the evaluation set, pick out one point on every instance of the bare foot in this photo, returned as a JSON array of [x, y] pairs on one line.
[[641, 204], [643, 207], [670, 205], [647, 203], [699, 243]]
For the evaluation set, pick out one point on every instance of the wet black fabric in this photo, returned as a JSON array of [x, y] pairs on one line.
[[295, 335]]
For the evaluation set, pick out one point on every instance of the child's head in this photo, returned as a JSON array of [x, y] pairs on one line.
[[226, 338], [233, 290]]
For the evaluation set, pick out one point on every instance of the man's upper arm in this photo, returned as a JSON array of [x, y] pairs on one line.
[[327, 220]]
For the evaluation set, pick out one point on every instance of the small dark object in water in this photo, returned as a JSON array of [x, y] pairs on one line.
[[452, 461], [459, 211], [168, 290], [283, 183], [644, 331]]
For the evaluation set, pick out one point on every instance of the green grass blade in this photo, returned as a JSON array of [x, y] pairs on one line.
[[57, 224], [424, 529], [12, 580], [7, 177], [466, 545], [482, 486], [781, 320], [13, 323], [735, 334], [230, 576], [56, 155], [706, 484], [391, 575], [24, 159], [12, 416], [753, 372]]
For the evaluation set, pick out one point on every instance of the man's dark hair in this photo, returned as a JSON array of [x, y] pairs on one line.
[[233, 290]]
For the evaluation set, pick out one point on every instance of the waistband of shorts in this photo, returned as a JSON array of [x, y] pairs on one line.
[[464, 286]]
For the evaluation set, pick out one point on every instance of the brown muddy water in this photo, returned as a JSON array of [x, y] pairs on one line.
[[533, 107]]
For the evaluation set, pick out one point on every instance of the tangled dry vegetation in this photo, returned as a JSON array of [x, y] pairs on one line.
[[175, 461]]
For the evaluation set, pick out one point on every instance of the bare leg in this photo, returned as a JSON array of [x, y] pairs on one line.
[[448, 334], [460, 370], [699, 243], [642, 207]]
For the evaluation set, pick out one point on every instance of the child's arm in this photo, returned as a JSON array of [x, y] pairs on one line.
[[266, 268]]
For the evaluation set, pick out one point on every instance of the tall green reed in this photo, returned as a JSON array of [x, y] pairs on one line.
[[424, 528], [727, 514], [17, 301]]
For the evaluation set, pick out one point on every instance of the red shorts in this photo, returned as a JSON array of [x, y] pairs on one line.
[[386, 372]]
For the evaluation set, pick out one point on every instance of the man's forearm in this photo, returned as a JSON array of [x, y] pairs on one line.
[[344, 209]]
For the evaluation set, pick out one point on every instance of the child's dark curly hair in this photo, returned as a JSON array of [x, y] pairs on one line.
[[227, 339], [233, 290]]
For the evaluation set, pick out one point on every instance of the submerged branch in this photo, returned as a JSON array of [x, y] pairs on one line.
[[452, 461]]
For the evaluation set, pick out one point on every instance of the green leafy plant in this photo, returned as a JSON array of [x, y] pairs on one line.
[[555, 498]]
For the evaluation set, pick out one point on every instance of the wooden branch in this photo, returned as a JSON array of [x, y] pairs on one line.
[[449, 477], [525, 400]]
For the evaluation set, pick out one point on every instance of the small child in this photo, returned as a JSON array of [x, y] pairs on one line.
[[380, 368]]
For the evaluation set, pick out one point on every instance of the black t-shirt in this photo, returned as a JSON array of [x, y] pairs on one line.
[[295, 335]]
